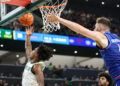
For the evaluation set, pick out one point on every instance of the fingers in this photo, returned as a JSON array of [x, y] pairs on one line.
[[32, 30], [26, 29], [50, 18], [29, 29], [51, 21], [50, 15]]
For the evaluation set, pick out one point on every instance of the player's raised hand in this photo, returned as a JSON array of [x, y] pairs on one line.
[[29, 31], [52, 18]]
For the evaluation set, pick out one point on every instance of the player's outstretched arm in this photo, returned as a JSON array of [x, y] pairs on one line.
[[97, 36], [28, 47], [39, 74]]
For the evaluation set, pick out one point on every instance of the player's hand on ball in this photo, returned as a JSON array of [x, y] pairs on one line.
[[52, 18], [29, 31]]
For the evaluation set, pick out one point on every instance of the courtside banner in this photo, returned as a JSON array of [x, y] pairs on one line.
[[81, 42], [6, 34], [16, 2], [21, 35], [40, 37], [54, 39]]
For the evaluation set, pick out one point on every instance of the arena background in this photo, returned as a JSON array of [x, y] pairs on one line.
[[79, 62]]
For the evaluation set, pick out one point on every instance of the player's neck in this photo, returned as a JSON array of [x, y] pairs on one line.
[[34, 61], [103, 31]]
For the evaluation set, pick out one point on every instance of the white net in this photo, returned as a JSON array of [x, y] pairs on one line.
[[56, 6]]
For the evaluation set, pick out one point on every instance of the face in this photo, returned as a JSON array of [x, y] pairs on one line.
[[65, 79], [98, 27], [34, 54], [102, 81]]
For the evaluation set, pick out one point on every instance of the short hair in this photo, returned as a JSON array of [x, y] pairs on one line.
[[44, 52], [107, 76], [104, 21]]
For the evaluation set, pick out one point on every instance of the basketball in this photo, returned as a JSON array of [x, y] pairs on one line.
[[27, 19]]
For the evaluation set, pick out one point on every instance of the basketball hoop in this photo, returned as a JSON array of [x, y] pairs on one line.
[[56, 6]]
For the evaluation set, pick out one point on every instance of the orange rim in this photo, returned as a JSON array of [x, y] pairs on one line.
[[55, 5]]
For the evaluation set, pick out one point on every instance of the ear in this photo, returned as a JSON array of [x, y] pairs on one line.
[[100, 27], [36, 54]]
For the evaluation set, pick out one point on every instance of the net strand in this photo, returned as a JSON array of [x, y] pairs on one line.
[[50, 27]]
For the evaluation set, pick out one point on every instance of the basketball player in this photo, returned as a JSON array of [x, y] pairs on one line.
[[104, 79], [33, 72], [108, 43]]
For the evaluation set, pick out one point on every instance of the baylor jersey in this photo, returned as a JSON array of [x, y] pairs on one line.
[[29, 78]]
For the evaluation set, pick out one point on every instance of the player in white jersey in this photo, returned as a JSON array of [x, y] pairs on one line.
[[33, 71]]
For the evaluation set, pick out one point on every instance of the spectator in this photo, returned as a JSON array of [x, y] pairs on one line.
[[74, 78], [10, 75], [81, 78], [5, 83], [2, 74], [86, 78], [1, 83], [67, 82], [59, 67], [74, 66], [66, 66], [51, 66], [80, 84], [17, 85], [12, 85]]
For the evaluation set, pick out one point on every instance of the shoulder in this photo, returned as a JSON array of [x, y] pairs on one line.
[[99, 34], [37, 68], [96, 36], [101, 39]]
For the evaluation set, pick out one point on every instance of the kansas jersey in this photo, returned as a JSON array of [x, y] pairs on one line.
[[29, 78], [111, 55]]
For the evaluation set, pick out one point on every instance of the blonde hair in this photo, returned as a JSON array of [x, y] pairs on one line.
[[104, 21]]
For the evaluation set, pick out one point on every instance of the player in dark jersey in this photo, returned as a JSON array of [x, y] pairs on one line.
[[108, 43], [104, 79]]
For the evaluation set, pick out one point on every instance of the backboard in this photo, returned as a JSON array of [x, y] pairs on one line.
[[21, 7]]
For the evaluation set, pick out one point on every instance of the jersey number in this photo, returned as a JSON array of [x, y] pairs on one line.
[[118, 47]]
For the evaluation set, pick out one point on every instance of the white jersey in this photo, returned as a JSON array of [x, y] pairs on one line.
[[28, 78]]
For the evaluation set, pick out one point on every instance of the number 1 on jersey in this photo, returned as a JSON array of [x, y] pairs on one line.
[[119, 47]]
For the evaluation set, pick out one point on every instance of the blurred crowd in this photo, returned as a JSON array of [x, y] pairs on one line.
[[4, 83], [56, 72], [86, 19], [52, 73]]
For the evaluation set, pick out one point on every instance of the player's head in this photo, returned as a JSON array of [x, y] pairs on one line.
[[102, 24], [42, 53], [104, 79]]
